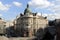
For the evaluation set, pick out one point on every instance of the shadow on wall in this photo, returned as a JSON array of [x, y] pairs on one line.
[[47, 33], [11, 32]]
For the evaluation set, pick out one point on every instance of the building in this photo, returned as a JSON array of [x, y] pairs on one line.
[[57, 25], [2, 26], [28, 23], [9, 24]]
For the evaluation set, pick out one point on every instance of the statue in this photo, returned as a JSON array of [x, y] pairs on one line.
[[27, 10], [27, 5]]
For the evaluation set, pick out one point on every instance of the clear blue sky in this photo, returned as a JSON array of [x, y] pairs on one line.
[[9, 9]]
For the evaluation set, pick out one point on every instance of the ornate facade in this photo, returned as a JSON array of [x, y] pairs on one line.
[[29, 22]]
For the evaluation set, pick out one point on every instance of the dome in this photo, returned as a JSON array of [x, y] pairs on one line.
[[27, 10]]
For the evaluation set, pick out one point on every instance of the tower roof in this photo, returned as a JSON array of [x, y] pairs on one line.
[[27, 10]]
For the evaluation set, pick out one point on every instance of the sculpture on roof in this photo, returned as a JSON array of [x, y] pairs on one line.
[[27, 10]]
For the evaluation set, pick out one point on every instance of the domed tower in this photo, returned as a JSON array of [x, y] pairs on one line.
[[27, 10], [27, 21]]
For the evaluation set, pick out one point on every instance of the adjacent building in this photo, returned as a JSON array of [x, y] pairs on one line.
[[28, 23], [9, 24], [2, 26], [57, 25]]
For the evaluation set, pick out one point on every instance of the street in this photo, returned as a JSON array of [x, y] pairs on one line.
[[15, 38]]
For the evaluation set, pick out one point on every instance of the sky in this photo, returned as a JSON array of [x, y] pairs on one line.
[[9, 9]]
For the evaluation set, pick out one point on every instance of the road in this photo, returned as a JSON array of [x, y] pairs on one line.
[[3, 38], [15, 38]]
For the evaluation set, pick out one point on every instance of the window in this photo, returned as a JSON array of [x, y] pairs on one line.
[[27, 24]]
